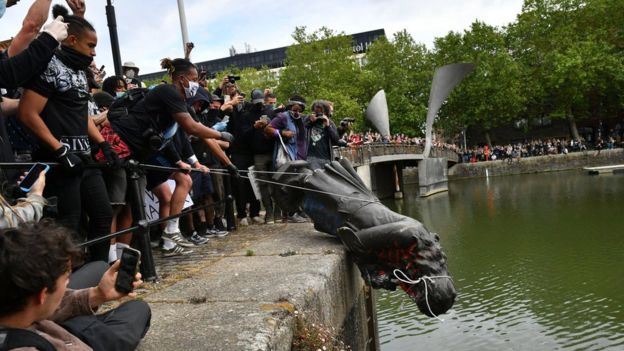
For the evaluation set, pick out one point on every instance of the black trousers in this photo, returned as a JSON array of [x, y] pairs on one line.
[[120, 329], [83, 192], [243, 193]]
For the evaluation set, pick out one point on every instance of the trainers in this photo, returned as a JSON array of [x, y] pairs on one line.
[[177, 238], [257, 220], [219, 233], [243, 222], [177, 250], [268, 216], [197, 239], [219, 223], [296, 219]]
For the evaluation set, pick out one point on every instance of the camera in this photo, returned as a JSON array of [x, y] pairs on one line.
[[345, 121], [232, 79], [319, 114], [153, 138]]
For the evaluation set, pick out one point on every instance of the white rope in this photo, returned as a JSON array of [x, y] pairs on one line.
[[302, 188], [405, 279]]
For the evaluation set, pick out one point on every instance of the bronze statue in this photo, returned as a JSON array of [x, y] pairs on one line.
[[390, 249]]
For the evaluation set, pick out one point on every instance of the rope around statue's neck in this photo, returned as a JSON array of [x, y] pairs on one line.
[[405, 279]]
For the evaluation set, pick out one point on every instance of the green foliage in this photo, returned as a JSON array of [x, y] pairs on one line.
[[321, 65], [572, 52], [403, 69], [151, 82], [559, 59], [491, 95]]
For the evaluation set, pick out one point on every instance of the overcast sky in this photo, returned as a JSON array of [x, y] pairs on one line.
[[150, 29]]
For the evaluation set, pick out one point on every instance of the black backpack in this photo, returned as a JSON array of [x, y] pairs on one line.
[[11, 338], [122, 106]]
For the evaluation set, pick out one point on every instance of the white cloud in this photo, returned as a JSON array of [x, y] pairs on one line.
[[150, 30]]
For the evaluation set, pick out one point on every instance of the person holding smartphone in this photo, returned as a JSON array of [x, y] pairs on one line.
[[37, 304], [28, 209]]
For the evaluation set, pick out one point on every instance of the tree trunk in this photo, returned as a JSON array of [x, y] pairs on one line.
[[573, 129], [488, 140]]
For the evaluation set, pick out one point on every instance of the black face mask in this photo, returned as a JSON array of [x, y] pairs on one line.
[[74, 59]]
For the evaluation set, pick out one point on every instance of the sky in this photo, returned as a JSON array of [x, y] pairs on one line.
[[150, 29]]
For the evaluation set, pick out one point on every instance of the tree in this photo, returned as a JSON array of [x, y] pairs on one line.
[[321, 65], [572, 51], [401, 68], [491, 95]]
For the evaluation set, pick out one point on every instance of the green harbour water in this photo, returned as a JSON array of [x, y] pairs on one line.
[[538, 262]]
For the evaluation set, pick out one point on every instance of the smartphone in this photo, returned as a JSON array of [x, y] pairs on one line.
[[130, 259], [31, 177]]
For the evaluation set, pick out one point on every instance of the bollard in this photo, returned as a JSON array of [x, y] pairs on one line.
[[142, 235]]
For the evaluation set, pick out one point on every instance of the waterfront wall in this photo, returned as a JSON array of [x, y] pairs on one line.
[[537, 164], [251, 299]]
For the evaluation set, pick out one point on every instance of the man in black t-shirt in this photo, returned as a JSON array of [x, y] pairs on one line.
[[54, 107], [152, 122]]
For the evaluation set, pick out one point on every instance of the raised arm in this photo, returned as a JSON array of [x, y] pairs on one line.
[[19, 69], [35, 18]]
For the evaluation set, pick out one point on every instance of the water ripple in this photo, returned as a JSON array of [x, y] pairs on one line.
[[539, 269]]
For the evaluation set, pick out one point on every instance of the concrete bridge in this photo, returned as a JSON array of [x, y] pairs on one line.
[[381, 166]]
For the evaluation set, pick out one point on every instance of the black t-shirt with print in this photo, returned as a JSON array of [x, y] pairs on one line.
[[66, 111], [318, 144], [154, 111]]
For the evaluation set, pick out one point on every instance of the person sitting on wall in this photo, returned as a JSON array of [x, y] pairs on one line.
[[39, 311]]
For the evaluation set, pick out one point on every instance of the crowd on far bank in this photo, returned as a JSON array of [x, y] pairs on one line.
[[484, 152], [537, 147]]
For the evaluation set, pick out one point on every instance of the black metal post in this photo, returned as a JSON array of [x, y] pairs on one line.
[[112, 29], [142, 235]]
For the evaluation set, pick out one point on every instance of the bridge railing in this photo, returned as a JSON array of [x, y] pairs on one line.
[[362, 154]]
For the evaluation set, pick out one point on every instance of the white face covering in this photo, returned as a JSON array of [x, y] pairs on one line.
[[191, 90], [130, 73]]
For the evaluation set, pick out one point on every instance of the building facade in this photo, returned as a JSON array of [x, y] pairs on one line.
[[272, 58]]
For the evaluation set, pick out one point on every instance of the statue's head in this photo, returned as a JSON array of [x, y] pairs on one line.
[[426, 268]]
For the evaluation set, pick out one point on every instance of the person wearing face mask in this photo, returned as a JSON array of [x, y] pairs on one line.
[[150, 125], [242, 152], [131, 74], [152, 121], [262, 147], [115, 86], [54, 107], [289, 126]]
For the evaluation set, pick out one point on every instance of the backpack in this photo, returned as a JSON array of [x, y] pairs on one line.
[[12, 338], [122, 106]]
